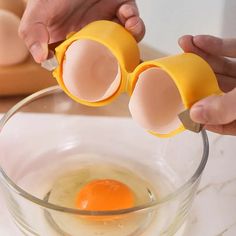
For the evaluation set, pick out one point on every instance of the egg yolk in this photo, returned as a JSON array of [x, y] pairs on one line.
[[105, 195]]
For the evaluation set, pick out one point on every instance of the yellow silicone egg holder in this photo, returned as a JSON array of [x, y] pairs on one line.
[[115, 38], [193, 77]]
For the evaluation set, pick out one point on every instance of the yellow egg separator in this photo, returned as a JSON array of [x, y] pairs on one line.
[[160, 89], [115, 45], [175, 84]]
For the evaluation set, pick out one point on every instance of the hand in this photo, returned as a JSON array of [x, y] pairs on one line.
[[46, 22], [218, 113]]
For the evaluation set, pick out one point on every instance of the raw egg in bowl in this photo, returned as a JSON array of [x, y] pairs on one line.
[[77, 171]]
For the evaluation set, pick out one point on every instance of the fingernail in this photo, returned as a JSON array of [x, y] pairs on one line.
[[198, 115], [197, 40], [39, 51], [180, 40], [129, 11], [135, 26]]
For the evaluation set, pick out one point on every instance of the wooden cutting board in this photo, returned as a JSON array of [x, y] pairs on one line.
[[25, 78]]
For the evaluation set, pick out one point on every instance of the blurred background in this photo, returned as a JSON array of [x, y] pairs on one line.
[[19, 74], [167, 20]]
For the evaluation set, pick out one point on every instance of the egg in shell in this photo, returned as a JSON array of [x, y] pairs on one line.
[[156, 102], [15, 6], [12, 48]]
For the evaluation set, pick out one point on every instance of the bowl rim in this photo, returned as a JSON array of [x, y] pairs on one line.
[[27, 196]]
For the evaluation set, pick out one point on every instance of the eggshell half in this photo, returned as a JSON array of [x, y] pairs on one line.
[[12, 48], [156, 102], [90, 71]]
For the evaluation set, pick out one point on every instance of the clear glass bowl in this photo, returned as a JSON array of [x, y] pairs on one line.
[[47, 135]]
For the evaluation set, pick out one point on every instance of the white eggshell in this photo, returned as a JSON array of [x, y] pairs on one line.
[[15, 6], [12, 48], [156, 102], [90, 71]]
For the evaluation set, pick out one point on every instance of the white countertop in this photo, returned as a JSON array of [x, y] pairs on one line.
[[214, 208]]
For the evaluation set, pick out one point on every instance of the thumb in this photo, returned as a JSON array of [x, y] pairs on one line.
[[215, 110], [128, 15], [36, 39], [33, 31]]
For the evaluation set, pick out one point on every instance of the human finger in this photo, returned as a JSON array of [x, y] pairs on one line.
[[216, 46], [33, 31], [128, 15], [228, 129], [216, 109], [219, 64]]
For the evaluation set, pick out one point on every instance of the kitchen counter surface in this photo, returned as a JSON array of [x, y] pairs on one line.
[[214, 208]]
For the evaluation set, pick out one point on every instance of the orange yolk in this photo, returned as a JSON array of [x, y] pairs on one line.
[[105, 195]]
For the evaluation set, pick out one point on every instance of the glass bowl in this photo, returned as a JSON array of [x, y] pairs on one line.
[[48, 139]]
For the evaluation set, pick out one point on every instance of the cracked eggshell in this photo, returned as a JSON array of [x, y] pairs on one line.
[[15, 6], [90, 71], [156, 102], [12, 48]]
